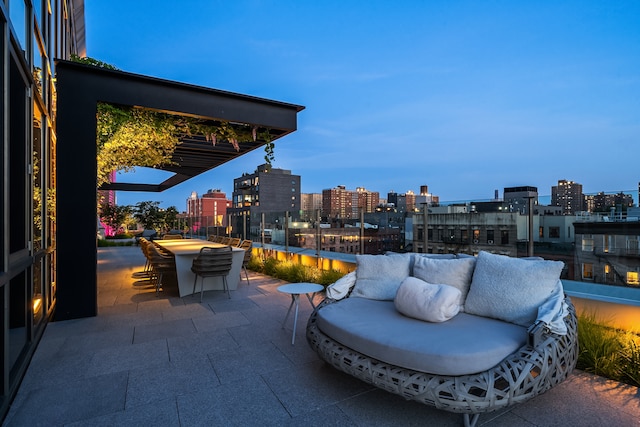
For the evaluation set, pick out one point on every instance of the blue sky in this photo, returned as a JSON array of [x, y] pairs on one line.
[[463, 96]]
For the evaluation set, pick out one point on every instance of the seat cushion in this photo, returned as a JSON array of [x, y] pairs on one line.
[[465, 344]]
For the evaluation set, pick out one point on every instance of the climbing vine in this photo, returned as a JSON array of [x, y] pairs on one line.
[[127, 136]]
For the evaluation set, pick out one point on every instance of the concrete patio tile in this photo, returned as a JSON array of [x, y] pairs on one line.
[[223, 320], [198, 346], [116, 309], [312, 386], [587, 400], [372, 407], [133, 319], [128, 357], [235, 364], [91, 342], [246, 402], [223, 305], [156, 331], [154, 303], [66, 328], [327, 416], [253, 334], [160, 413], [90, 397], [187, 311], [56, 371], [166, 380]]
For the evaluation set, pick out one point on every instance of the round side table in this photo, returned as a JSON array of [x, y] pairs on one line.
[[295, 289]]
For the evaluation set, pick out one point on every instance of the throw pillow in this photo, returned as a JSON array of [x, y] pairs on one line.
[[426, 301], [452, 272], [511, 289], [342, 286], [378, 276]]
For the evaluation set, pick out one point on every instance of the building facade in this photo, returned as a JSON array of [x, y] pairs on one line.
[[269, 193], [608, 252], [311, 203], [210, 210], [340, 203], [569, 196], [34, 34]]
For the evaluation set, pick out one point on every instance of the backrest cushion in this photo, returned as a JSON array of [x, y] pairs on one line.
[[511, 289], [378, 277], [452, 272]]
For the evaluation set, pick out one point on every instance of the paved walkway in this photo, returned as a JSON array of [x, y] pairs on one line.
[[170, 361]]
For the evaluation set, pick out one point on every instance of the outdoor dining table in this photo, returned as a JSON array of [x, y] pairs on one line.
[[185, 250]]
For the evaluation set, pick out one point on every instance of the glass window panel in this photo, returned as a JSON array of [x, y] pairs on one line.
[[18, 15], [36, 176], [17, 319], [37, 65], [17, 160]]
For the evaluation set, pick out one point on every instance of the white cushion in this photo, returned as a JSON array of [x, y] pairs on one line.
[[426, 301], [452, 272], [378, 277], [466, 344], [342, 286], [511, 289]]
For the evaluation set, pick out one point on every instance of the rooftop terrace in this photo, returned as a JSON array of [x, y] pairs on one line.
[[170, 361]]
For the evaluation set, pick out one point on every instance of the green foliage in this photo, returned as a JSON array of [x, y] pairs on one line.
[[148, 214], [114, 215], [293, 273], [127, 136], [91, 61], [608, 352]]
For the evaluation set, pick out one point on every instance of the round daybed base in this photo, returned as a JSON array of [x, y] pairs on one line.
[[521, 376]]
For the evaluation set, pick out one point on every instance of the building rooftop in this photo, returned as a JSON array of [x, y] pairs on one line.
[[170, 361]]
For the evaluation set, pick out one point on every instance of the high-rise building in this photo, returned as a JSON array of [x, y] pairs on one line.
[[341, 203], [310, 203], [268, 190], [569, 196]]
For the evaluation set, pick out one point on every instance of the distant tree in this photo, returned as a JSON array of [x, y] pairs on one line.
[[149, 214], [170, 217], [114, 215]]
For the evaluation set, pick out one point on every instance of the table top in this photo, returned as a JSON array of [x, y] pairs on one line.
[[189, 246], [300, 288]]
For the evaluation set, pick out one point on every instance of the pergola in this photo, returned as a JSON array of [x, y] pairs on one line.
[[80, 89]]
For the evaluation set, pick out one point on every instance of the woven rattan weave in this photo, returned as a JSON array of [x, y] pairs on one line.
[[518, 378]]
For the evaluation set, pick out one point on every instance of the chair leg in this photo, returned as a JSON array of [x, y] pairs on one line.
[[225, 286], [195, 280], [202, 289], [158, 283], [246, 275]]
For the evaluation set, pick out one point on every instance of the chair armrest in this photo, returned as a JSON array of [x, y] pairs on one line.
[[535, 332]]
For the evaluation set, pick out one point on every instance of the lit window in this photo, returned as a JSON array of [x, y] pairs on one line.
[[587, 271], [587, 244], [632, 278]]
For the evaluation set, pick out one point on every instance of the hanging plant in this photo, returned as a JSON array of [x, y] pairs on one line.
[[127, 137]]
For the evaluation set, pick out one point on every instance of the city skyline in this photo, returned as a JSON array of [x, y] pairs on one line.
[[489, 95]]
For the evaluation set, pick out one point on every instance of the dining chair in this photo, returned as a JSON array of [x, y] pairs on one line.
[[247, 245], [161, 264], [212, 262], [171, 236]]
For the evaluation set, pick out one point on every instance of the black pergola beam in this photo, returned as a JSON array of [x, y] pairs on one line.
[[79, 88]]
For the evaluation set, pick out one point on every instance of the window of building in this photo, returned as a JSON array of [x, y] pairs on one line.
[[554, 232], [476, 235], [607, 245], [504, 237], [632, 278], [632, 246], [587, 271], [490, 237], [452, 234], [541, 232], [587, 243], [464, 235]]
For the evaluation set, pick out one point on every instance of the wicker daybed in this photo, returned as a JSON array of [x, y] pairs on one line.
[[342, 330]]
